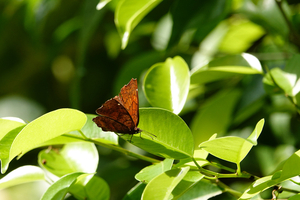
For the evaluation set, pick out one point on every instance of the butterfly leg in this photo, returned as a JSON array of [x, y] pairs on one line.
[[141, 135], [131, 138]]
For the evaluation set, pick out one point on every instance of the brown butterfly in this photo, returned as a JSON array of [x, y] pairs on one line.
[[121, 113]]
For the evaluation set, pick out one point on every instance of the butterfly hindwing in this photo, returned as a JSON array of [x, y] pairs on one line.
[[108, 124]]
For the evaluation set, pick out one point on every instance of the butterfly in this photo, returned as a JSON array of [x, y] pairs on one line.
[[121, 113]]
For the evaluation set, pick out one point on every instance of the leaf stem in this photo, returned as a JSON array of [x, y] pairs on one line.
[[215, 175], [226, 188], [116, 148]]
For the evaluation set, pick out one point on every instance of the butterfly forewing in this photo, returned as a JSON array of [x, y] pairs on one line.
[[130, 100], [115, 111]]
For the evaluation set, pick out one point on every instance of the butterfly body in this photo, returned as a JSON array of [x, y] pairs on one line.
[[121, 113]]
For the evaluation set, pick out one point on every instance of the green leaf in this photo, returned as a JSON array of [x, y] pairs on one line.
[[215, 115], [226, 67], [295, 197], [73, 157], [188, 181], [256, 132], [90, 130], [161, 186], [257, 187], [284, 80], [242, 33], [90, 187], [59, 189], [135, 192], [288, 171], [231, 148], [166, 84], [8, 125], [129, 13], [46, 127], [173, 137], [102, 3], [9, 130], [149, 172], [21, 175], [202, 190]]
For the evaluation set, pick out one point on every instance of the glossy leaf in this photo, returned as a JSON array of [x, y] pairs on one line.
[[129, 13], [102, 3], [59, 189], [202, 190], [21, 175], [90, 187], [8, 125], [90, 130], [225, 67], [188, 181], [166, 84], [149, 172], [231, 148], [47, 127], [9, 130], [73, 157], [161, 186], [284, 80], [173, 137]]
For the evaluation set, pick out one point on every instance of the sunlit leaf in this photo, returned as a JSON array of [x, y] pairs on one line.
[[59, 189], [226, 67], [166, 84], [90, 187], [202, 190], [231, 148], [73, 157], [21, 175], [188, 181], [242, 34], [161, 186], [173, 137], [102, 3], [46, 127], [129, 13], [149, 172]]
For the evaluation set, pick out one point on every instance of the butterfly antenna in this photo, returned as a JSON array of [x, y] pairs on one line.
[[149, 134]]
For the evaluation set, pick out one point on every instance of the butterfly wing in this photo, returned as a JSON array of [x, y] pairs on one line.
[[108, 124], [114, 117], [130, 100]]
